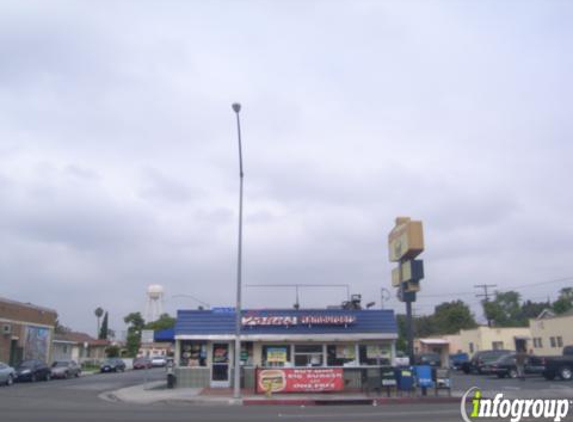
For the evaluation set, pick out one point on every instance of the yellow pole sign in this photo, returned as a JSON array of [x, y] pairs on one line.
[[406, 240]]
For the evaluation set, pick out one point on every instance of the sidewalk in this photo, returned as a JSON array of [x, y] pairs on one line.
[[156, 392]]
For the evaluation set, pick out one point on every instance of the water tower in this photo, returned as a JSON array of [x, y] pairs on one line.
[[154, 307]]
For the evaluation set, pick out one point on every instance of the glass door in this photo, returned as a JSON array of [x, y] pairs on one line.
[[220, 365]]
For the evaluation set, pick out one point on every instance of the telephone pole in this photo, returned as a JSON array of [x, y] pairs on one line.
[[485, 295]]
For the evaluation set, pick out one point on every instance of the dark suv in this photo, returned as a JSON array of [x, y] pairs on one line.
[[481, 361], [112, 365], [33, 370]]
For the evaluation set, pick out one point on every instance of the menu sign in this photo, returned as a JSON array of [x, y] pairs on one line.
[[300, 380]]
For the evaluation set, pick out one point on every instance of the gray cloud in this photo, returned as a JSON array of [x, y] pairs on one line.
[[118, 154]]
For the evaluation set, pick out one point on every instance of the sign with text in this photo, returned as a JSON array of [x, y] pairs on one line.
[[290, 380], [286, 320], [276, 354], [406, 240]]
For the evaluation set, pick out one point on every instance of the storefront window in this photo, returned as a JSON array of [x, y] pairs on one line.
[[247, 353], [193, 353], [340, 354], [277, 355], [308, 355], [375, 354]]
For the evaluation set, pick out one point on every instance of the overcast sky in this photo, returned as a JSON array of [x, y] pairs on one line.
[[119, 164]]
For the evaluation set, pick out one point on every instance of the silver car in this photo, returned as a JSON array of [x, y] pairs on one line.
[[7, 374], [66, 369]]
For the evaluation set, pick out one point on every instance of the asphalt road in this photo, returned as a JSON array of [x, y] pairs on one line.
[[77, 400]]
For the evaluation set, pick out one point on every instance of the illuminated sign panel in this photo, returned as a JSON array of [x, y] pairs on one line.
[[406, 240], [286, 320]]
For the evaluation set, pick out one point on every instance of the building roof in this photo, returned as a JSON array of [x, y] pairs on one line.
[[374, 323], [76, 337], [28, 305]]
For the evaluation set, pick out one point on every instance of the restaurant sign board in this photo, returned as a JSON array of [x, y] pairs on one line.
[[308, 380], [286, 320]]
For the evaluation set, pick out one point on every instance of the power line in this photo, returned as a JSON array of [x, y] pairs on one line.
[[520, 286]]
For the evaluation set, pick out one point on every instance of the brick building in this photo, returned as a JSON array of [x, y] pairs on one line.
[[26, 331]]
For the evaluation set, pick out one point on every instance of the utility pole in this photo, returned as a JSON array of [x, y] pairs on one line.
[[237, 364], [485, 295]]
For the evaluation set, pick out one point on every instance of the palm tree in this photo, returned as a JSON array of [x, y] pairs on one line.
[[98, 313]]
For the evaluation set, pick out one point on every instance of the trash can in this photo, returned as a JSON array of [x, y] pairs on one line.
[[424, 377], [171, 380], [405, 379]]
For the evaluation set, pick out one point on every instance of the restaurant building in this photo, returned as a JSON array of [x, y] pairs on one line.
[[324, 349]]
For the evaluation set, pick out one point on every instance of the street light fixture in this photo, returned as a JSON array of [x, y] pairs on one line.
[[237, 376]]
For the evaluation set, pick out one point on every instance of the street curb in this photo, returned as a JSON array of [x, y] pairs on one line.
[[350, 402]]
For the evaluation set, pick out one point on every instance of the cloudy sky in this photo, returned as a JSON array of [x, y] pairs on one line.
[[119, 165]]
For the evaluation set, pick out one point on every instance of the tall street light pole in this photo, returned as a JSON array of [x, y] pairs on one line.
[[237, 354]]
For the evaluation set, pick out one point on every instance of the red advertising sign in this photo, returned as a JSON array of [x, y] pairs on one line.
[[290, 380]]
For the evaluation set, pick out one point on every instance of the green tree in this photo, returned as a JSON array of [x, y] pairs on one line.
[[451, 317], [164, 322], [505, 310], [135, 324], [564, 302], [112, 351], [424, 326], [98, 313], [104, 328], [531, 310]]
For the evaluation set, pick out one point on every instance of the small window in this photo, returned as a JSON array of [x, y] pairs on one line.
[[540, 342], [193, 353], [534, 341], [559, 341], [471, 347], [247, 353], [552, 341], [340, 354], [497, 345], [375, 354], [308, 355]]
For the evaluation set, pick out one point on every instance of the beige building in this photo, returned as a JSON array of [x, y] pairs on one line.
[[486, 338], [551, 333]]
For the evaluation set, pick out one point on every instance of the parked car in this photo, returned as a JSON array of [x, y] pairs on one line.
[[457, 360], [480, 360], [561, 366], [66, 369], [158, 361], [112, 365], [7, 374], [141, 363], [33, 370], [506, 366], [432, 359]]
